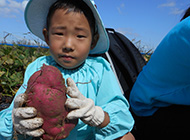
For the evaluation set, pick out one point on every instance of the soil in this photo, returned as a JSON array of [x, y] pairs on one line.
[[5, 101]]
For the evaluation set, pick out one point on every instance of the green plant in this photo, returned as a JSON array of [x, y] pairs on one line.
[[13, 62], [147, 55]]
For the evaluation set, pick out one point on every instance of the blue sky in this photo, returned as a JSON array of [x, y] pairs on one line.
[[144, 22]]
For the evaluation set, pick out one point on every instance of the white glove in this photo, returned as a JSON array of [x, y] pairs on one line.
[[24, 118], [82, 107]]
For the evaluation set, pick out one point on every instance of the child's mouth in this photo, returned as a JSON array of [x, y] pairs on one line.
[[66, 58]]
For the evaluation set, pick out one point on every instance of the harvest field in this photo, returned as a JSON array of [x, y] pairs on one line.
[[13, 62]]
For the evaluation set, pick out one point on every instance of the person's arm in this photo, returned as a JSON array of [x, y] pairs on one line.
[[128, 136], [165, 78], [6, 127], [107, 95], [106, 120]]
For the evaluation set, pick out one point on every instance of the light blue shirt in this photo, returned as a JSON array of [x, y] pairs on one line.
[[102, 88], [165, 80]]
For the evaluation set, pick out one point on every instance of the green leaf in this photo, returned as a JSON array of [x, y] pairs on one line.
[[9, 61], [3, 83], [1, 73]]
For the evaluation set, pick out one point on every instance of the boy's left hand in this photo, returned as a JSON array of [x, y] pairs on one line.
[[82, 107]]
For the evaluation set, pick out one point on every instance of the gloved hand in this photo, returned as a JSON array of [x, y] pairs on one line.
[[24, 118], [82, 107]]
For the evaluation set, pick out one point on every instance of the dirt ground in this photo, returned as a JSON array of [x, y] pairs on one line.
[[5, 101]]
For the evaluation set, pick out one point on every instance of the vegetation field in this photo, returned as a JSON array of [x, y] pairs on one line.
[[13, 62]]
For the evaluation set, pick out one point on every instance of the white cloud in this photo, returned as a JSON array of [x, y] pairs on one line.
[[5, 10], [172, 7], [13, 4], [128, 32], [120, 7], [2, 3], [170, 4], [176, 11], [119, 10], [9, 8], [24, 3]]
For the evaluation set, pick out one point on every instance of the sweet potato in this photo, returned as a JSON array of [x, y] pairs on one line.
[[46, 92]]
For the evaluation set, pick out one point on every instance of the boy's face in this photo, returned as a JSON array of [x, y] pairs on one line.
[[69, 38]]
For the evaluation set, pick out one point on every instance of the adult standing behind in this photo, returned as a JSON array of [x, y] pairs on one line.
[[160, 98]]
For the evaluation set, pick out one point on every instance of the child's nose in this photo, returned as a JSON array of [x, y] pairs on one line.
[[66, 49], [68, 44]]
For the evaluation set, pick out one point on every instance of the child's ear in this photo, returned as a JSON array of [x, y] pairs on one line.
[[46, 37], [94, 41]]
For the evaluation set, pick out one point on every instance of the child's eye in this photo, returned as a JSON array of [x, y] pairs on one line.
[[81, 36], [60, 34]]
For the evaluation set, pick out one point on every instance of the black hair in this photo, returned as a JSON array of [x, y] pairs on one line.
[[72, 6], [187, 13]]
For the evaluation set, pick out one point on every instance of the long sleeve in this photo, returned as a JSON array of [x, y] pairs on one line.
[[111, 99], [6, 127], [165, 80]]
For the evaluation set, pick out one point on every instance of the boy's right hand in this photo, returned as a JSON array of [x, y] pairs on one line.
[[24, 118]]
